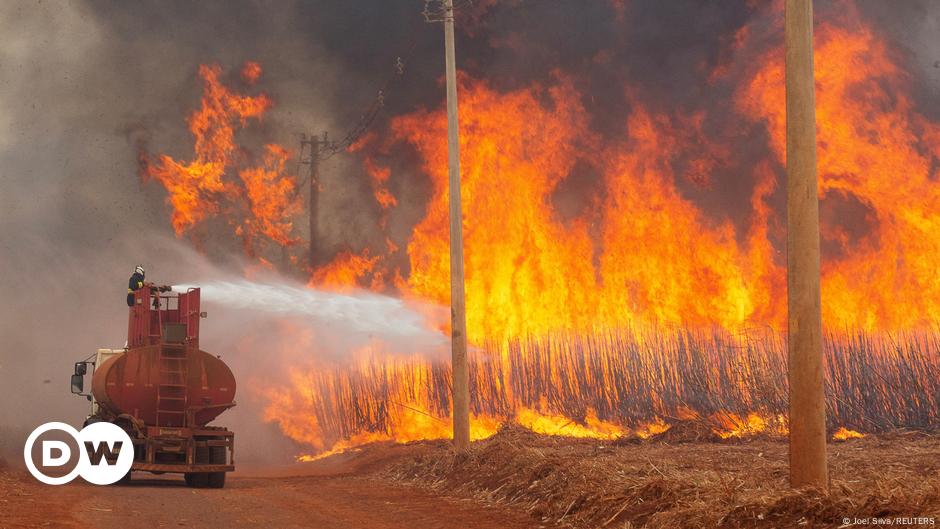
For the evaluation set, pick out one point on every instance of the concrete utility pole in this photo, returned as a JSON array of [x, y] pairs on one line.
[[458, 313], [807, 383]]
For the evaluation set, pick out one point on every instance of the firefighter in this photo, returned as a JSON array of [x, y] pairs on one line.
[[135, 283]]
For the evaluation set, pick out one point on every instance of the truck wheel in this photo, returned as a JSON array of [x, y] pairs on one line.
[[216, 480], [198, 480], [217, 457]]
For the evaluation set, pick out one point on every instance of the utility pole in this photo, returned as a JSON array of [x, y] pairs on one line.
[[458, 315], [285, 259], [313, 145], [807, 383]]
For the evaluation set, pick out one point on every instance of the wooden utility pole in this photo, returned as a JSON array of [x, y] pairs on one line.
[[314, 176], [807, 383], [458, 316]]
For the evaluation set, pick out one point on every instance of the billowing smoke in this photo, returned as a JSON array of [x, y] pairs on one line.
[[82, 86], [85, 85]]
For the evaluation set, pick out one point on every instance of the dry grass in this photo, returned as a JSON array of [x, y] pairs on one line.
[[875, 382], [656, 484]]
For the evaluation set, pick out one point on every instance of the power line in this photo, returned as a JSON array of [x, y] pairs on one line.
[[321, 148], [436, 10], [329, 148]]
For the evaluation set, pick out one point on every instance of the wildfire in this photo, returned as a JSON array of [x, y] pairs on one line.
[[601, 321], [345, 271], [553, 424], [251, 71], [598, 385], [271, 198], [876, 155], [641, 253], [261, 202], [844, 434], [734, 426]]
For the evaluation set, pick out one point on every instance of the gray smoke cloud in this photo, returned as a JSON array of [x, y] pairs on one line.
[[84, 83], [81, 85]]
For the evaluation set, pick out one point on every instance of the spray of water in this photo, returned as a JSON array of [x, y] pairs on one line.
[[360, 314]]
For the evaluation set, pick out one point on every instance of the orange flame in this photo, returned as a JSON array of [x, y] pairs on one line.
[[271, 197], [251, 71], [346, 270], [875, 151], [639, 254], [642, 254], [379, 176], [659, 259], [844, 434], [262, 202]]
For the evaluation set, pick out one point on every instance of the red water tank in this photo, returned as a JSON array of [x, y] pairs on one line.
[[163, 378], [162, 384]]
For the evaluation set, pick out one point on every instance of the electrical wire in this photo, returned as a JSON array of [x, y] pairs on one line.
[[328, 149]]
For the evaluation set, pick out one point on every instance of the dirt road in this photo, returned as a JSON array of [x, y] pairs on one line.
[[331, 497], [672, 480], [321, 502], [298, 502]]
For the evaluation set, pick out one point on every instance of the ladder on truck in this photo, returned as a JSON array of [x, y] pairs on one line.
[[172, 397]]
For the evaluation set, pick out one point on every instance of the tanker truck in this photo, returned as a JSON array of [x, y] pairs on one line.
[[163, 390]]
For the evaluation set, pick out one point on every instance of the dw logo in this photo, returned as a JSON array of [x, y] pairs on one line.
[[107, 455]]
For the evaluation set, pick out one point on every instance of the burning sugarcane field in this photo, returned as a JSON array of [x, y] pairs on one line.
[[470, 263]]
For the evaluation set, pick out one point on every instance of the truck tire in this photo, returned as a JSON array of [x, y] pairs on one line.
[[199, 480], [216, 480], [216, 457]]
